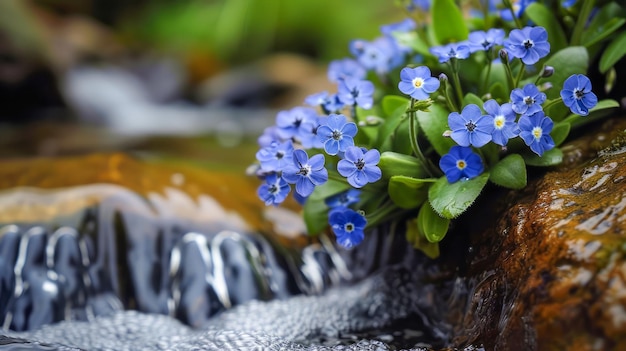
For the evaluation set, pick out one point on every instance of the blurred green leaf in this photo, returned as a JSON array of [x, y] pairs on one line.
[[315, 214], [560, 132], [419, 241], [408, 192], [448, 24], [431, 225], [470, 98], [606, 21], [613, 53], [394, 163]]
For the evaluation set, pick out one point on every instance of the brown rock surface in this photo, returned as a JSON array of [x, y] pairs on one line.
[[551, 275]]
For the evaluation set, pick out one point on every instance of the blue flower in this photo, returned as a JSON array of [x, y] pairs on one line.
[[568, 3], [483, 41], [380, 55], [274, 190], [306, 173], [269, 136], [527, 100], [461, 162], [356, 92], [450, 51], [360, 168], [343, 199], [529, 44], [470, 127], [422, 5], [417, 82], [535, 131], [276, 156], [504, 126], [296, 123], [336, 134], [345, 68], [348, 226], [577, 94], [329, 103]]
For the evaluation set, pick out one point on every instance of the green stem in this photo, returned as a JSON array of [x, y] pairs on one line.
[[413, 136], [508, 5], [451, 104], [520, 74], [457, 82], [552, 103], [382, 213], [581, 22], [490, 59], [509, 74]]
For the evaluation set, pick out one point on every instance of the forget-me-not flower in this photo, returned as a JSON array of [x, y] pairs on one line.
[[276, 156], [345, 68], [527, 100], [400, 32], [461, 162], [450, 51], [348, 226], [305, 173], [296, 123], [269, 135], [417, 82], [343, 199], [535, 131], [483, 41], [356, 92], [274, 190], [381, 55], [470, 127], [504, 126], [577, 94], [330, 103], [360, 167], [336, 134], [529, 44]]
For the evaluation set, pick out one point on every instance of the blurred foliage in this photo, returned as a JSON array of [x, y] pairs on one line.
[[236, 31]]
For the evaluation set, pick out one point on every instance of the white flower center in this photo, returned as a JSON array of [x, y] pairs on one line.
[[499, 121], [537, 132], [418, 82], [348, 227], [460, 164]]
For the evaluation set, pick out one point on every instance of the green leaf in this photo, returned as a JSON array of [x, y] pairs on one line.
[[542, 16], [408, 192], [560, 132], [549, 158], [391, 103], [330, 188], [393, 163], [605, 22], [470, 98], [510, 172], [571, 60], [315, 216], [613, 52], [434, 123], [450, 200], [418, 240], [447, 22], [431, 225]]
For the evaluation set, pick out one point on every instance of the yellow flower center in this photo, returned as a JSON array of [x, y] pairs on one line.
[[418, 82], [460, 164], [499, 122], [537, 132]]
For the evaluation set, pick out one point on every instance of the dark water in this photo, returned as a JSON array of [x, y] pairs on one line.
[[120, 273]]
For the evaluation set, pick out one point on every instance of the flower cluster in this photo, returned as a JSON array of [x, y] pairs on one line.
[[481, 101]]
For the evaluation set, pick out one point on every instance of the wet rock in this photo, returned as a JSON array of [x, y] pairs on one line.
[[550, 275]]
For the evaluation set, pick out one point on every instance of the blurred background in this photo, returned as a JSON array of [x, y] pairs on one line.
[[195, 79]]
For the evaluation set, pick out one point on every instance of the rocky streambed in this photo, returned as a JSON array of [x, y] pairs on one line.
[[111, 252]]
